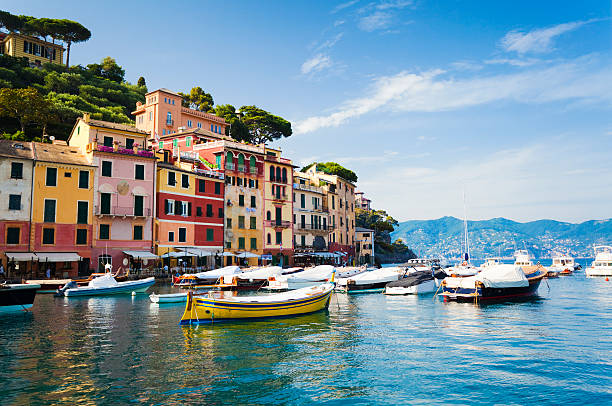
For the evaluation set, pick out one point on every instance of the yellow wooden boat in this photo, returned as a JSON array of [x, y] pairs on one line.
[[217, 306]]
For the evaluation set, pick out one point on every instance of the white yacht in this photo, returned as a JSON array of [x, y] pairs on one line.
[[522, 258], [602, 266], [491, 262], [563, 265]]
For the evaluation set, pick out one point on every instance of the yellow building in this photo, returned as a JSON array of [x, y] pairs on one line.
[[278, 207], [35, 49], [364, 245], [62, 202]]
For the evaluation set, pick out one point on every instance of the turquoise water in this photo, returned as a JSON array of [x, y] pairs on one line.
[[367, 349]]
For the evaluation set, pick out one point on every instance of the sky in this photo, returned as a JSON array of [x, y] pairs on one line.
[[507, 101]]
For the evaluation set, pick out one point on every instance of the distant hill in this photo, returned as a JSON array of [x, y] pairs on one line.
[[443, 237]]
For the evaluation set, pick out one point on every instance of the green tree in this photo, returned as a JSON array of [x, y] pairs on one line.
[[333, 168], [10, 22], [263, 126], [141, 82], [198, 99], [25, 105], [71, 32]]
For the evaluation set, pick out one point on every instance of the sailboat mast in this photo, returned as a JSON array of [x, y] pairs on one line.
[[465, 231]]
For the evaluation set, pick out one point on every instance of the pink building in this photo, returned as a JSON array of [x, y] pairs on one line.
[[124, 194], [163, 114]]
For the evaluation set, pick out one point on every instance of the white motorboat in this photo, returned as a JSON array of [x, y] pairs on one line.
[[602, 266], [371, 281], [107, 285], [522, 258], [17, 297], [168, 297], [193, 280], [562, 265], [309, 277], [415, 283], [492, 261], [256, 278]]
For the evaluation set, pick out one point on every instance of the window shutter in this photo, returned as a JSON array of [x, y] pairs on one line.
[[189, 209], [166, 206], [178, 207]]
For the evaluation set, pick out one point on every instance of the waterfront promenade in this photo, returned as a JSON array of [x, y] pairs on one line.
[[367, 349]]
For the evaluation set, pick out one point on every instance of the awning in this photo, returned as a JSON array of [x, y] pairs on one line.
[[228, 254], [141, 254], [20, 256], [247, 255], [175, 255], [197, 252], [57, 256]]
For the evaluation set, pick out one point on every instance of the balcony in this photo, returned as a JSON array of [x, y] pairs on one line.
[[314, 227], [120, 150], [253, 170], [278, 180], [230, 166], [277, 223], [169, 122], [241, 168], [308, 188], [119, 211], [280, 197]]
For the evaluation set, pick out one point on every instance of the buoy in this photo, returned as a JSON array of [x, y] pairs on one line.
[[607, 279], [133, 293]]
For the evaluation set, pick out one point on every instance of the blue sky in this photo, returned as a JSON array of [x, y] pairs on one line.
[[511, 101]]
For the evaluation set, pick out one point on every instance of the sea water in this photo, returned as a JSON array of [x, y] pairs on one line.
[[366, 349]]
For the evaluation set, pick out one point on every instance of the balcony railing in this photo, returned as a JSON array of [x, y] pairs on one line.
[[280, 196], [125, 151], [314, 227], [241, 168], [170, 122], [277, 223], [230, 166], [253, 170], [122, 211], [278, 180], [308, 188]]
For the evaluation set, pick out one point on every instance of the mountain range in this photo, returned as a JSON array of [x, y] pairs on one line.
[[443, 237]]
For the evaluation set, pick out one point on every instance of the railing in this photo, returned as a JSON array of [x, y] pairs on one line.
[[169, 122], [314, 227], [125, 151], [253, 170], [277, 223], [122, 211], [308, 188], [280, 197], [278, 159], [241, 168], [230, 166], [278, 180]]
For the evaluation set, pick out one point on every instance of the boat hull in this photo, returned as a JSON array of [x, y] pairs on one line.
[[423, 288], [600, 271], [491, 294], [207, 309], [17, 298], [129, 287], [169, 298]]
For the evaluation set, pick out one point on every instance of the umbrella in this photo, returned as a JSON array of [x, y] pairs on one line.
[[247, 255], [228, 254]]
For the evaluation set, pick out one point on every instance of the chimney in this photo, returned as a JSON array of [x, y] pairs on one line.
[[86, 117]]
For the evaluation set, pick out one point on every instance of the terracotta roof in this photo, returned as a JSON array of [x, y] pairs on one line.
[[363, 230], [163, 89], [115, 126], [16, 149], [60, 154], [196, 131]]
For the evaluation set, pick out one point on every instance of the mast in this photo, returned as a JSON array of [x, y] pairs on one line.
[[466, 241]]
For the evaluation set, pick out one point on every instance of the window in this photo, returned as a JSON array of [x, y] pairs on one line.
[[241, 243], [49, 211], [199, 125], [302, 200], [253, 224], [272, 174], [199, 211], [108, 141], [107, 168], [253, 201], [268, 215], [241, 200], [51, 177], [303, 221], [209, 210], [82, 212], [169, 118], [201, 185], [284, 175], [171, 178], [185, 180], [303, 240], [188, 125], [105, 203], [171, 236], [279, 237], [81, 236], [240, 221], [333, 202], [67, 175], [138, 233], [228, 244], [104, 233], [210, 234], [12, 235], [269, 239], [182, 234], [228, 223], [253, 243], [253, 164], [129, 143], [138, 205], [139, 172], [14, 202], [48, 236], [83, 179], [220, 212], [169, 206], [340, 202], [16, 170]]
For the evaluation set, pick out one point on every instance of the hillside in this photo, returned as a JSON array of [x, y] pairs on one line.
[[443, 236]]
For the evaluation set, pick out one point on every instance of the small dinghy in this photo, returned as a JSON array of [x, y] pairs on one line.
[[106, 285], [168, 297], [216, 306], [415, 283]]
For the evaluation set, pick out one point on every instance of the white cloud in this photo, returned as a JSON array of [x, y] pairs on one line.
[[379, 16], [431, 91], [396, 4], [328, 44], [342, 6], [466, 65], [538, 40], [513, 62], [316, 64], [375, 21]]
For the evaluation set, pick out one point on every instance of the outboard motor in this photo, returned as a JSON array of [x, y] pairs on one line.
[[69, 285]]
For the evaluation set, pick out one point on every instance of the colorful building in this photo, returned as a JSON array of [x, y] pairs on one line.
[[62, 204], [16, 169], [311, 224], [123, 189], [278, 207], [190, 209], [163, 114], [364, 245], [362, 202], [35, 49], [341, 204]]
